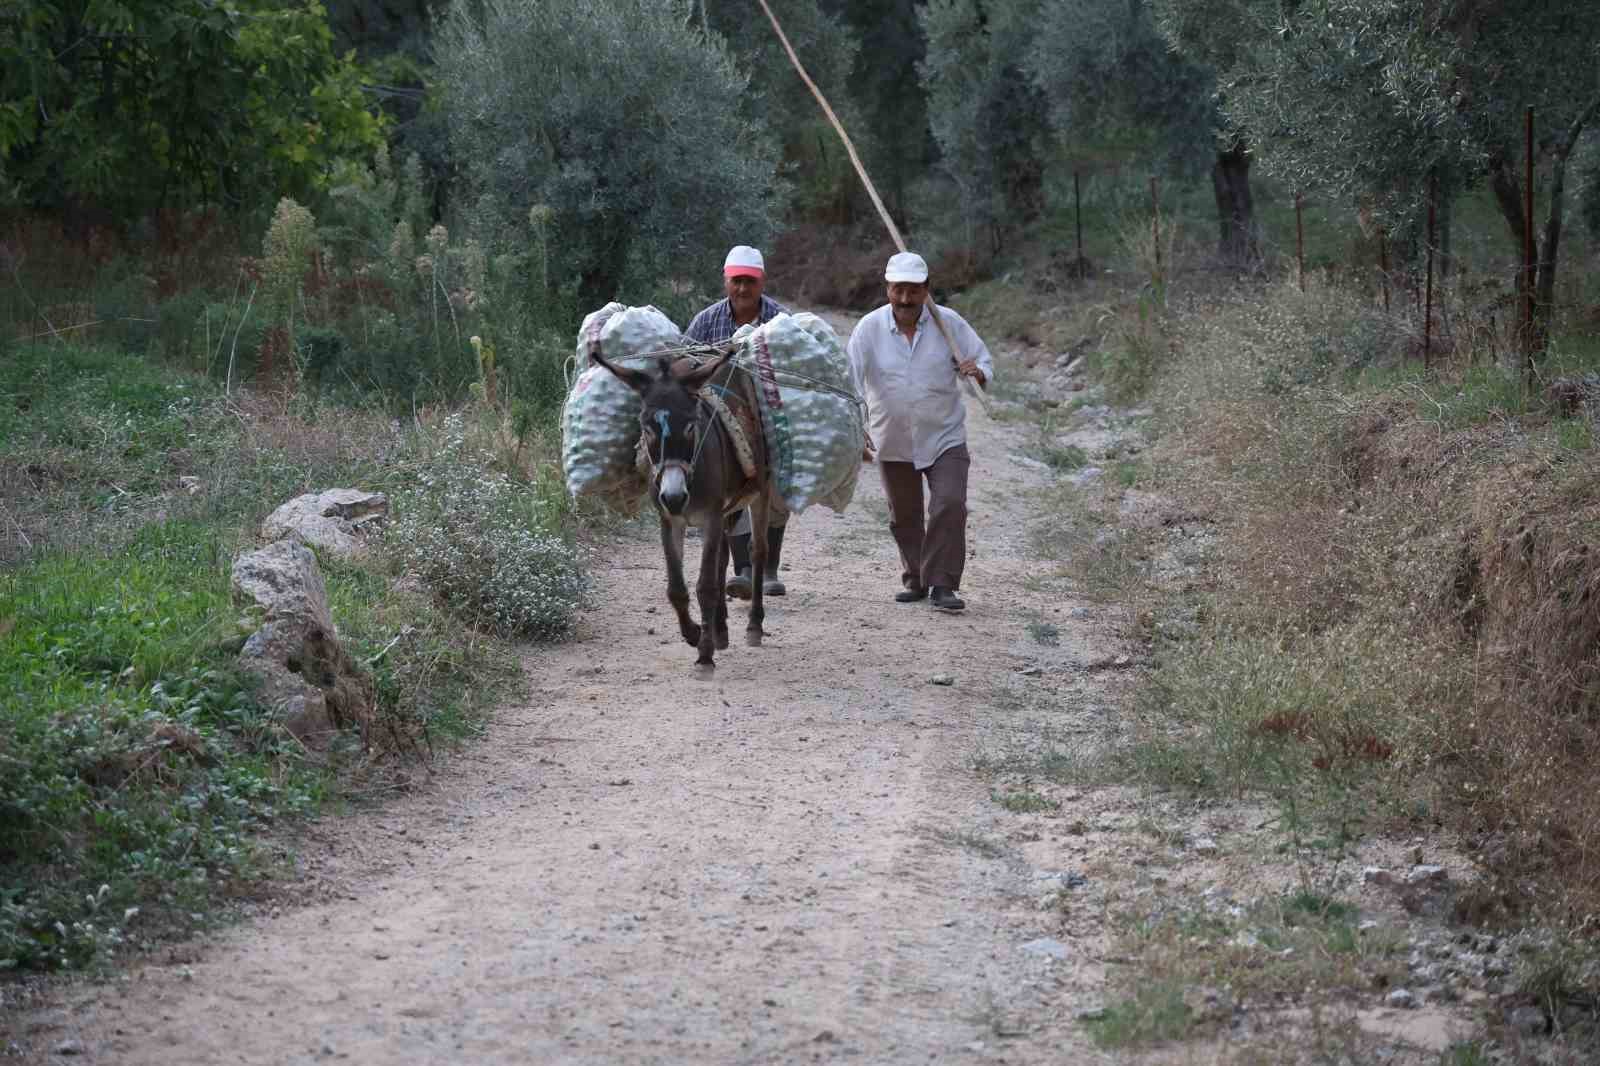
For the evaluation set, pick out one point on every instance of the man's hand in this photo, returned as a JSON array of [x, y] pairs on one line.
[[971, 369], [866, 450]]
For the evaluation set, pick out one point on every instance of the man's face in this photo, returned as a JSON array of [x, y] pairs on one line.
[[906, 297], [744, 293]]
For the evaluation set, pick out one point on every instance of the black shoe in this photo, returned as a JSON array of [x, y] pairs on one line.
[[739, 585], [911, 595], [947, 600]]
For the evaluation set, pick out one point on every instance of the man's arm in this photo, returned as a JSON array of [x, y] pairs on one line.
[[856, 349], [977, 362]]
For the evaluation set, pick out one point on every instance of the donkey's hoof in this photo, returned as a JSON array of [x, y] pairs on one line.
[[691, 636], [753, 637], [705, 662]]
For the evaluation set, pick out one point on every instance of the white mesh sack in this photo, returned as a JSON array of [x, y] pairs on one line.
[[810, 413], [600, 421]]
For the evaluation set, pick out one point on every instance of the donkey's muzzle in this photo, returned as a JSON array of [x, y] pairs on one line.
[[674, 490]]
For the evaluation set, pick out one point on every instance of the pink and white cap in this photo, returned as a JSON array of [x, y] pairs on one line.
[[744, 259]]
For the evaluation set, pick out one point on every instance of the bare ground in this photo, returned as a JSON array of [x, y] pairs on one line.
[[791, 859]]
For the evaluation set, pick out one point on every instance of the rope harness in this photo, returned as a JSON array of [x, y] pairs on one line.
[[720, 416]]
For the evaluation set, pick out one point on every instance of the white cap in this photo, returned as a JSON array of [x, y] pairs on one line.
[[906, 266], [744, 259]]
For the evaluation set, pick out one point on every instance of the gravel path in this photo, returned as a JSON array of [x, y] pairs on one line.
[[789, 860]]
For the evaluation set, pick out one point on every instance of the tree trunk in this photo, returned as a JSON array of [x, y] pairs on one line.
[[1230, 181]]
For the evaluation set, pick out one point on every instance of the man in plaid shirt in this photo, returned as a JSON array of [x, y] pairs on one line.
[[744, 275]]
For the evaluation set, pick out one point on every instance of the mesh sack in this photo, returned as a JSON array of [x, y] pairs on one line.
[[600, 420], [810, 413]]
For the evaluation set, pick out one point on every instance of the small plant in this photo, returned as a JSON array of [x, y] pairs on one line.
[[1025, 800], [1046, 633], [1064, 459], [479, 541], [1153, 1014]]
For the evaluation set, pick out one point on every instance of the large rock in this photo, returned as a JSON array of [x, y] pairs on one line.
[[307, 678], [332, 520]]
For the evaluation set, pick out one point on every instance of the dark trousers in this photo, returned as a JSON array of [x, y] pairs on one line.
[[931, 553]]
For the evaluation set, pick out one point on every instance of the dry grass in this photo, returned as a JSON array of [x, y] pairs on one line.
[[1406, 582]]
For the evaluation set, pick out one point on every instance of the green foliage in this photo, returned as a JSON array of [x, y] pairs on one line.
[[133, 760], [1400, 94], [639, 147], [490, 549], [988, 118], [141, 104], [1153, 1014], [777, 99], [1105, 69], [888, 95]]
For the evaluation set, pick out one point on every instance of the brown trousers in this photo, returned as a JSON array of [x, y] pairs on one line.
[[935, 553]]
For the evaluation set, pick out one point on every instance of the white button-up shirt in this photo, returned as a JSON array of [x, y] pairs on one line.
[[913, 393]]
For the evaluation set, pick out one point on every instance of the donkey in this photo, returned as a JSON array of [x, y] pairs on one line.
[[696, 478]]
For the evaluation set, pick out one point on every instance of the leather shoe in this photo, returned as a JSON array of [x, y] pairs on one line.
[[911, 595], [946, 599]]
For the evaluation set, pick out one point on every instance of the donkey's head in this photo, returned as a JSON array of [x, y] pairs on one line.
[[671, 423]]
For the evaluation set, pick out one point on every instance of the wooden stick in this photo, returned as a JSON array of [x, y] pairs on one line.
[[872, 191]]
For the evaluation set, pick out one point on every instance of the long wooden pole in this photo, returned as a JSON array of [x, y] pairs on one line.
[[872, 191]]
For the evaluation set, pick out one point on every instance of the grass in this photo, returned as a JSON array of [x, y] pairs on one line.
[[1024, 800], [1045, 633], [1151, 1015], [136, 764]]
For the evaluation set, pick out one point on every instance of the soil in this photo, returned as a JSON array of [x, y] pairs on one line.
[[790, 858]]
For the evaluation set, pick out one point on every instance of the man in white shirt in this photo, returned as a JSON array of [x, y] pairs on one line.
[[916, 423]]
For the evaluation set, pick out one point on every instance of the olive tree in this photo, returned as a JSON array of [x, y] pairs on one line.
[[1106, 70], [620, 121], [988, 117], [1382, 100]]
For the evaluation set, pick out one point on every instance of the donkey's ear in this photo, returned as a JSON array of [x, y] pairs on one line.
[[703, 373], [637, 380]]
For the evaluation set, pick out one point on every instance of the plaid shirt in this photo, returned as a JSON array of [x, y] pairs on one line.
[[715, 324]]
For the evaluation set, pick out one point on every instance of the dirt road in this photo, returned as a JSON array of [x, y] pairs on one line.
[[788, 860]]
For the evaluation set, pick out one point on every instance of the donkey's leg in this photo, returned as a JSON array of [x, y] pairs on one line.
[[708, 588], [721, 598], [677, 590], [760, 513]]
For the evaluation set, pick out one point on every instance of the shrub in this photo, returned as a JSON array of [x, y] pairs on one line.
[[621, 118], [481, 544]]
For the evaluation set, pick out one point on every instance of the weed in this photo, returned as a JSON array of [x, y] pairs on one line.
[[1151, 1015], [972, 841], [1046, 633], [1064, 459], [1025, 800], [1574, 434]]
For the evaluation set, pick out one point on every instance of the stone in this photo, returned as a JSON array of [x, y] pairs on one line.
[[1204, 846], [942, 679], [1529, 1021], [1376, 875], [333, 520], [1047, 947], [308, 680], [1421, 875], [1401, 997], [69, 1047]]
